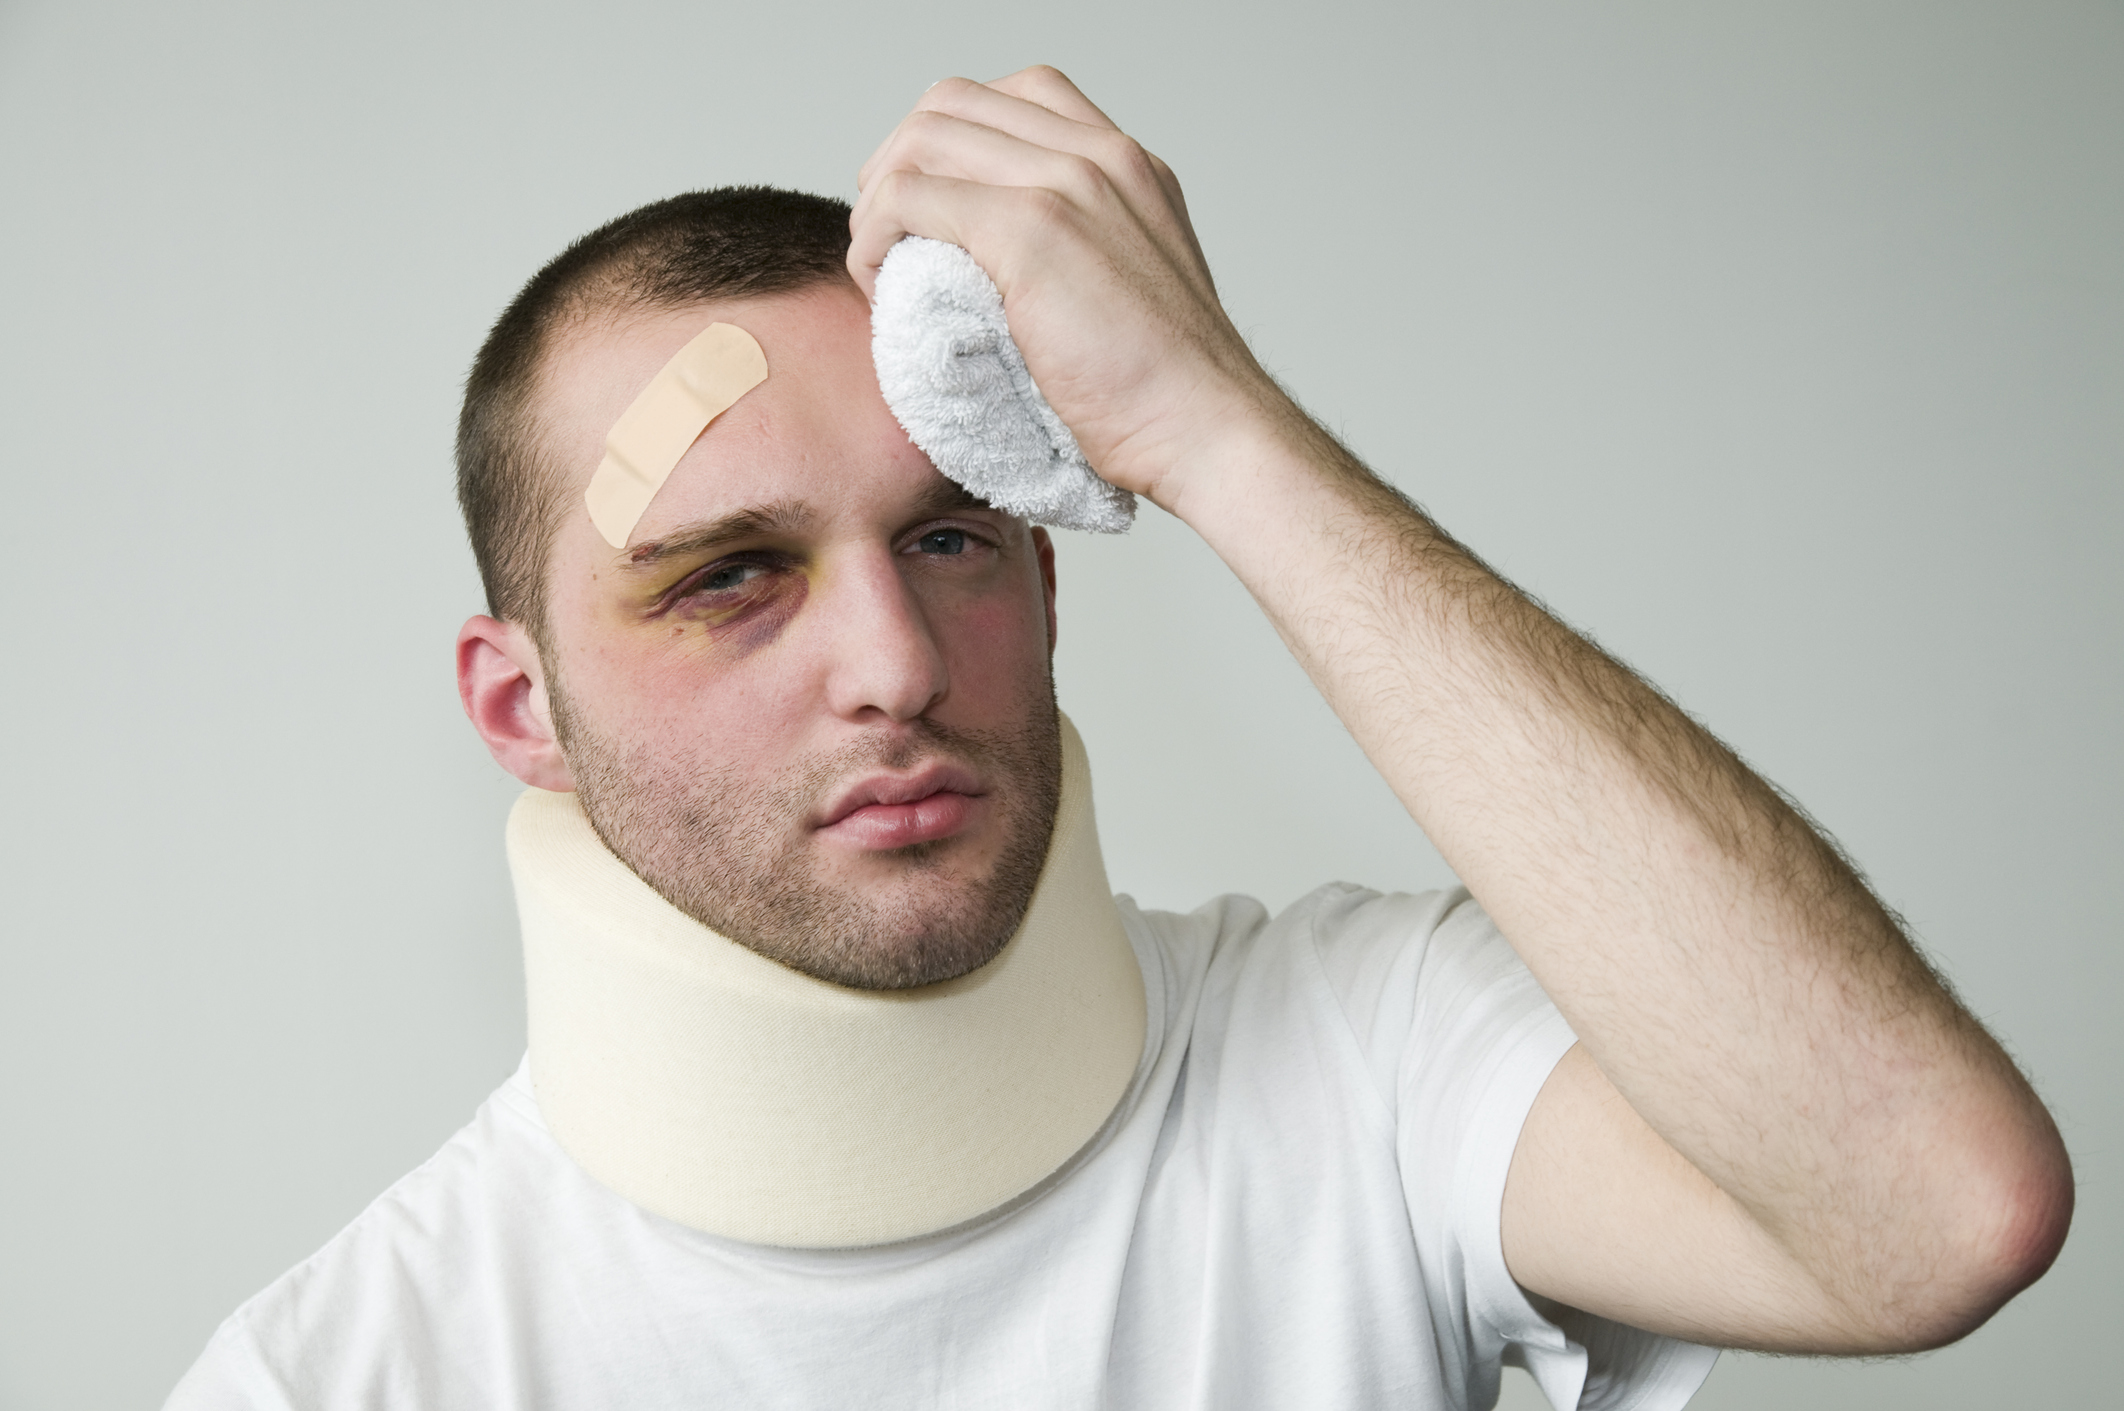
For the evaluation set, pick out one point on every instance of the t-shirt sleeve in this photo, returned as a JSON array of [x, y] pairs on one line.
[[1460, 1038], [231, 1375]]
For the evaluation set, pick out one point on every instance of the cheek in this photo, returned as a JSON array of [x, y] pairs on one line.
[[701, 674], [994, 642]]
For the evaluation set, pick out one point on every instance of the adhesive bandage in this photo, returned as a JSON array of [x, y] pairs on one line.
[[699, 384]]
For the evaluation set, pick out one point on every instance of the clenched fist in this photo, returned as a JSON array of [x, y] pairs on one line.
[[1087, 236]]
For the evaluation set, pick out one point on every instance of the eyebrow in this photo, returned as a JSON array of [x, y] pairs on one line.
[[780, 517], [947, 495]]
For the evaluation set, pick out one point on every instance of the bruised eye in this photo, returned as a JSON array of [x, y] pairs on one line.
[[943, 541], [725, 576]]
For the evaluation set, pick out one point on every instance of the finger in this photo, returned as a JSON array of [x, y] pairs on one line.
[[937, 144], [1051, 89], [902, 203], [1021, 117], [1170, 184], [1091, 166], [973, 215], [1082, 128], [870, 162]]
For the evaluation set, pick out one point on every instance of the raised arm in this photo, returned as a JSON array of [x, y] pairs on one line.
[[1779, 1129]]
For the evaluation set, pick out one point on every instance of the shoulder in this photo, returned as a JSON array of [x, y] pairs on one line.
[[408, 1235], [409, 1264], [1341, 966], [1357, 942], [1421, 984], [1338, 919]]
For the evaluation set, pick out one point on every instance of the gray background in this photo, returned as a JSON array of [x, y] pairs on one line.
[[1783, 351]]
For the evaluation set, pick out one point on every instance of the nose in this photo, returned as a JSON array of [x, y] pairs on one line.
[[884, 661]]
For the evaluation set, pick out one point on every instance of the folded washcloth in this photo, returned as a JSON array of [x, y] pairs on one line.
[[959, 386]]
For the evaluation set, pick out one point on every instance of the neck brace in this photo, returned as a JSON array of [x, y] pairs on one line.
[[725, 1091]]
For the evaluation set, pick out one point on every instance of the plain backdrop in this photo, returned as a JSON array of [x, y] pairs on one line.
[[1780, 347]]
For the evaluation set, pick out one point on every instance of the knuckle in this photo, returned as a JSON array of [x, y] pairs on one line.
[[1043, 205], [1085, 171], [1085, 177], [947, 90], [1129, 161], [924, 124]]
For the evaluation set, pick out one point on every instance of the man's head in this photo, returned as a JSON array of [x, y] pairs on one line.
[[810, 701]]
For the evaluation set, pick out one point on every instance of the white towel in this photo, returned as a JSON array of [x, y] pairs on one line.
[[956, 381]]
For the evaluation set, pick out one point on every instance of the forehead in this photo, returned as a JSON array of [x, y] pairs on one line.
[[813, 445], [816, 433], [821, 392]]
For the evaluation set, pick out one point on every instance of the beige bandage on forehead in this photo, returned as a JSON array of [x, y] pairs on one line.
[[699, 384]]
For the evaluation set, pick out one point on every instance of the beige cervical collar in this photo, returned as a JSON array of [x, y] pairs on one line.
[[727, 1092]]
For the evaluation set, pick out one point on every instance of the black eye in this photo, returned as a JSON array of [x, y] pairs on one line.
[[943, 541], [723, 577]]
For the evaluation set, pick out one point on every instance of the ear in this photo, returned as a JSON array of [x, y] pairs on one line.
[[1044, 548], [503, 686]]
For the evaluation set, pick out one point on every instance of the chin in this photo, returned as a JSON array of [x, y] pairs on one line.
[[902, 962]]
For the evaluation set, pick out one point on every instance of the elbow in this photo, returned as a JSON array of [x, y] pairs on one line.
[[2013, 1234], [1998, 1233]]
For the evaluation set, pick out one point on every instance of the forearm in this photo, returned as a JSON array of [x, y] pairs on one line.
[[1730, 974]]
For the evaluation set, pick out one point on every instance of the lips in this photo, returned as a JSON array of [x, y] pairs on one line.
[[888, 811]]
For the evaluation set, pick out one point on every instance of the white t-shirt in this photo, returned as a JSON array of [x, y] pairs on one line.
[[1296, 1205]]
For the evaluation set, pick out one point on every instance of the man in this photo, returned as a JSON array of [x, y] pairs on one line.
[[849, 1084]]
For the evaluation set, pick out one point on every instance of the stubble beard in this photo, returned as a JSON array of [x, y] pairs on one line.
[[732, 854]]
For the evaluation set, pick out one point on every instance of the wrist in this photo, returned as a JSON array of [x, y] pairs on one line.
[[1250, 467], [1195, 461]]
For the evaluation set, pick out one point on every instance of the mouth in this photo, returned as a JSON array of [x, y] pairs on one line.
[[887, 811]]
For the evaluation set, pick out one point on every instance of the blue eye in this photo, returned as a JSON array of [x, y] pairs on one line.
[[943, 541]]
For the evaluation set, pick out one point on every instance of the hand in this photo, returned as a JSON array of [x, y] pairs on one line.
[[1087, 236]]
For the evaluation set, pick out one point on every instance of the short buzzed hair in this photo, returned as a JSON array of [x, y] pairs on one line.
[[730, 243]]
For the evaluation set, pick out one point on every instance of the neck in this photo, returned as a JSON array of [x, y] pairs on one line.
[[732, 1094]]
